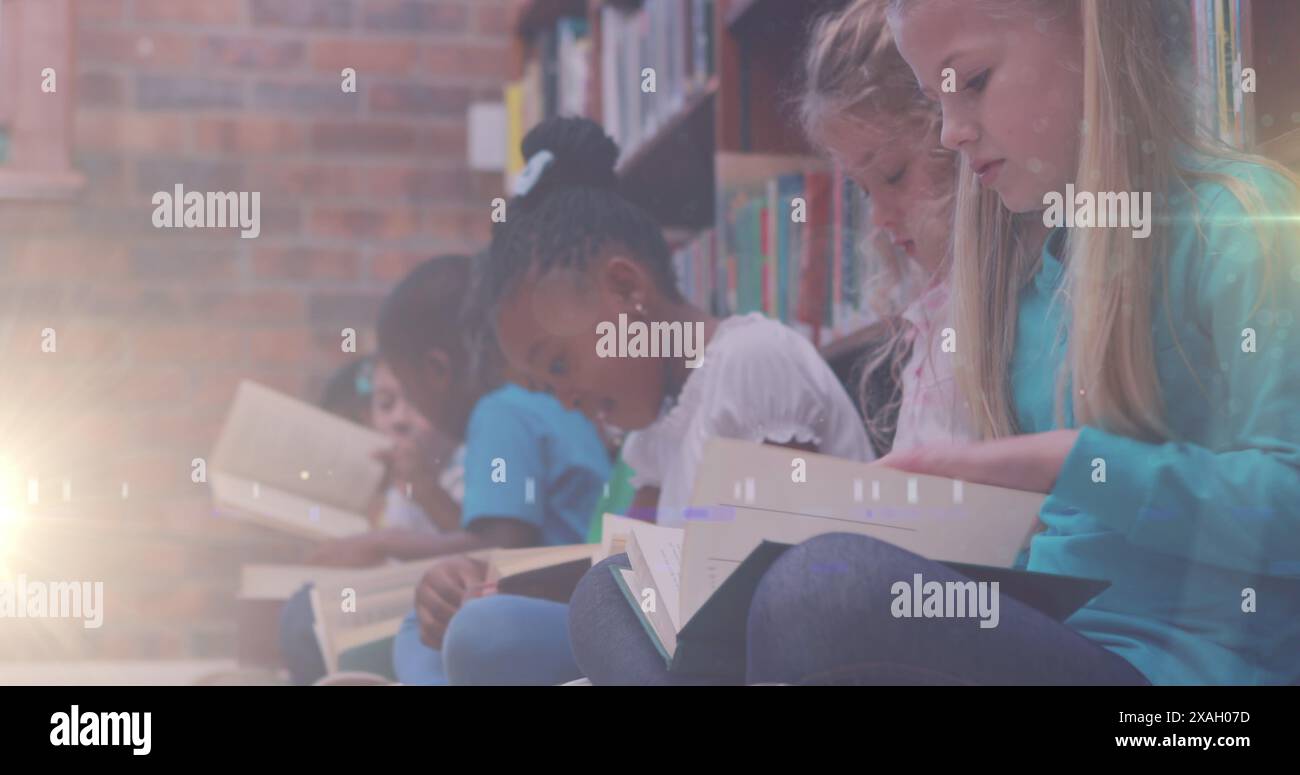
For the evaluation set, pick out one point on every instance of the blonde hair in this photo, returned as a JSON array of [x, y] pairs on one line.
[[1136, 120], [853, 71]]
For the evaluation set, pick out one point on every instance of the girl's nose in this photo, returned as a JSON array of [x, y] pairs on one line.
[[958, 130], [883, 215]]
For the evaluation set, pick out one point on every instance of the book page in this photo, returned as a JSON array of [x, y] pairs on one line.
[[504, 563], [279, 582], [383, 596], [656, 552], [759, 491], [660, 628], [290, 445], [614, 530], [282, 510]]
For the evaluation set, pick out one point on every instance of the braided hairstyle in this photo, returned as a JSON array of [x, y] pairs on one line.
[[572, 211]]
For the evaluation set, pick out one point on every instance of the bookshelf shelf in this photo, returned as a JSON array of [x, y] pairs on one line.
[[670, 173]]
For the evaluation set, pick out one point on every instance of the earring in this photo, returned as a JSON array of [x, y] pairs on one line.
[[640, 308]]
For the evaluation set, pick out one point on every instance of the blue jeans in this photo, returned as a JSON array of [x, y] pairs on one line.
[[821, 615], [299, 651], [494, 640]]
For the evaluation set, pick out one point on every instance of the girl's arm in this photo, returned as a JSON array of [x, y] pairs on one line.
[[1236, 506]]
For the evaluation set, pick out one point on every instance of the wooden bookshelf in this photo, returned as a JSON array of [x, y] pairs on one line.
[[1271, 27], [671, 172], [746, 106]]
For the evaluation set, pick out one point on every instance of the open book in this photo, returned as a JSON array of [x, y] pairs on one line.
[[363, 607], [546, 572], [294, 467], [692, 586]]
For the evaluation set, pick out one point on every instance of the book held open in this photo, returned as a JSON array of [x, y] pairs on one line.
[[294, 467], [691, 586]]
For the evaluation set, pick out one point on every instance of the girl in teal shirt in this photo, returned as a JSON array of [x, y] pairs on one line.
[[1148, 384]]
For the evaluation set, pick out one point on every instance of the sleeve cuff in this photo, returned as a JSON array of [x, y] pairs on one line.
[[1119, 500]]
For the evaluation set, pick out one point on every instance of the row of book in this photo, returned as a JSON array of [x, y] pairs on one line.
[[1218, 48], [675, 38], [554, 83], [788, 243]]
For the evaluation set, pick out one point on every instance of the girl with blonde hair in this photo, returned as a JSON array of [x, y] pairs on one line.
[[1146, 382]]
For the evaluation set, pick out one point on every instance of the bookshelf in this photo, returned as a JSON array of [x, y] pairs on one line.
[[734, 97], [730, 93]]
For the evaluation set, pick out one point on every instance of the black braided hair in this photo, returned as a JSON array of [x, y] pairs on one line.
[[573, 212]]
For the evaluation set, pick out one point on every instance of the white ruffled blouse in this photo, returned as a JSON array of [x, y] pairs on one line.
[[760, 381]]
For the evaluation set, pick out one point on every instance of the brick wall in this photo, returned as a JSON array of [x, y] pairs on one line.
[[155, 327]]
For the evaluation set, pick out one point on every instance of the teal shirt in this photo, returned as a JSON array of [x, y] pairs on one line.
[[529, 459], [1183, 528]]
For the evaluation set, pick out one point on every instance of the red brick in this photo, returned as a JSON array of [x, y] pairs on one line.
[[413, 99], [110, 130], [468, 60], [150, 385], [100, 341], [306, 263], [188, 256], [363, 137], [391, 266], [186, 12], [248, 135], [147, 49], [445, 17], [179, 343], [461, 225], [312, 97], [364, 223], [193, 434], [68, 259], [444, 184], [365, 56], [188, 92], [295, 13], [215, 386], [309, 180], [447, 140], [162, 173], [100, 89], [279, 344], [495, 19], [248, 308], [251, 53], [100, 11]]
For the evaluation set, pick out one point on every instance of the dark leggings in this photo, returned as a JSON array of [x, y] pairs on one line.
[[821, 615]]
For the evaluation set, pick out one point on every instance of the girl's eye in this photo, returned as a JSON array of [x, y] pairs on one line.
[[558, 367], [897, 177], [978, 83]]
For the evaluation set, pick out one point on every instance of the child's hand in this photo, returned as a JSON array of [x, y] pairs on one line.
[[440, 593], [357, 551], [1030, 462]]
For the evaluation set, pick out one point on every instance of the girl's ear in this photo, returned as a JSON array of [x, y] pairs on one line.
[[626, 281]]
